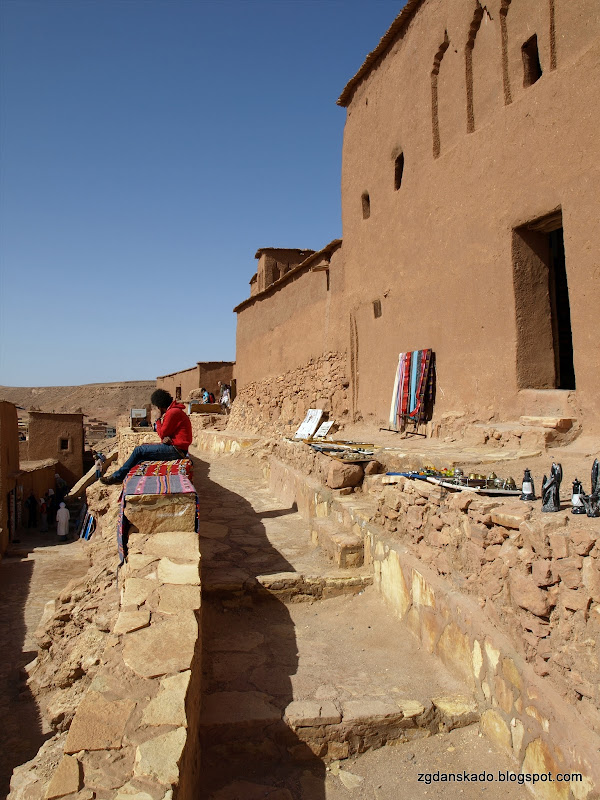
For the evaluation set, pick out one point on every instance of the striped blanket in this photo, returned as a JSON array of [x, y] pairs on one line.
[[154, 477], [412, 379]]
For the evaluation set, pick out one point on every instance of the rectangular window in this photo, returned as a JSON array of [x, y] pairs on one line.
[[64, 444]]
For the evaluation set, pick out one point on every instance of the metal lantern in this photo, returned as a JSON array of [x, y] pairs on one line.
[[528, 489], [577, 498]]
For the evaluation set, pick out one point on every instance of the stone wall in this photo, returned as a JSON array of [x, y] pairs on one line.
[[128, 439], [118, 675], [505, 596], [279, 404], [538, 574]]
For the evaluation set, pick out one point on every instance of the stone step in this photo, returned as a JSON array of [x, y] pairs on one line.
[[232, 722], [294, 586], [344, 547]]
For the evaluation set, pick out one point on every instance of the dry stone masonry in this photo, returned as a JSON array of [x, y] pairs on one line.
[[279, 404]]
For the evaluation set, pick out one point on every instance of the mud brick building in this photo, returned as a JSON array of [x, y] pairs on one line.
[[206, 374], [60, 437], [470, 188]]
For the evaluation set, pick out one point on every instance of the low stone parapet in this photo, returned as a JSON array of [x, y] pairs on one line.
[[135, 730], [492, 588], [220, 441]]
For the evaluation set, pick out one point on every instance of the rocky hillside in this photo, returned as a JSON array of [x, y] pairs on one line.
[[106, 401]]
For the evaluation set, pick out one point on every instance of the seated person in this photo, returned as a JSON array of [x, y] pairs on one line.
[[175, 431]]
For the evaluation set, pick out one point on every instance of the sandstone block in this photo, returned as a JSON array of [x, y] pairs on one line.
[[590, 576], [527, 595], [511, 516], [534, 538], [460, 501], [583, 541], [456, 710], [66, 778], [166, 647], [159, 758], [129, 621], [414, 516], [454, 649], [541, 573], [575, 600], [559, 545], [374, 468], [168, 707], [341, 475], [131, 792], [173, 572], [307, 713], [98, 724], [175, 598], [570, 577], [238, 708], [138, 590], [539, 758], [369, 710], [495, 728], [179, 544], [154, 513]]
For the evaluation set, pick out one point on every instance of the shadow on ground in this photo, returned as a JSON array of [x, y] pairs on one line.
[[20, 722], [249, 653]]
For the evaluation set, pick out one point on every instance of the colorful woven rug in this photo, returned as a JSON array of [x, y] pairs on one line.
[[154, 477]]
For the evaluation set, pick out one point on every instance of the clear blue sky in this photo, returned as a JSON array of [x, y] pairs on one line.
[[147, 150]]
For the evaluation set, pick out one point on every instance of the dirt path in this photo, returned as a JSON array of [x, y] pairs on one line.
[[27, 583]]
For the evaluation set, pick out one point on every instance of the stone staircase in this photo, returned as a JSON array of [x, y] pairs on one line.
[[302, 662]]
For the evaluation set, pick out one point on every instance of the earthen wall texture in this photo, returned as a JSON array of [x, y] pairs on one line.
[[45, 434], [9, 464], [206, 374], [442, 257], [483, 155], [37, 481], [187, 379], [290, 323], [279, 404]]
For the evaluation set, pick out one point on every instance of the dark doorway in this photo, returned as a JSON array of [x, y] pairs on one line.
[[561, 312], [544, 339]]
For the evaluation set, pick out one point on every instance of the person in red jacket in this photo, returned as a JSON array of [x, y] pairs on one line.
[[175, 431]]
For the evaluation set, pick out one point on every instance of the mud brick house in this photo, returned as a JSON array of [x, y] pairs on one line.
[[206, 374], [60, 437], [470, 215]]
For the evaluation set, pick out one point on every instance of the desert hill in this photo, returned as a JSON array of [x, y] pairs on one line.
[[106, 401]]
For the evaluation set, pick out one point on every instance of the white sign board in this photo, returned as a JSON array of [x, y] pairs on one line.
[[324, 429], [310, 424], [138, 413]]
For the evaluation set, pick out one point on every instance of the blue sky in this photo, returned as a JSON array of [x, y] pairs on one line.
[[147, 149]]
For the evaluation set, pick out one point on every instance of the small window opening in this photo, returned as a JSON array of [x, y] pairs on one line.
[[64, 444], [398, 170], [532, 69], [366, 205], [376, 308]]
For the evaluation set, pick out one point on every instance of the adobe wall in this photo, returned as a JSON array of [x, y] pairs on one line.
[[37, 480], [291, 351], [9, 464], [482, 155], [187, 379], [45, 433], [211, 372]]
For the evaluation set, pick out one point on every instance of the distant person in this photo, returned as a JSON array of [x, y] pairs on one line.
[[52, 507], [61, 487], [31, 506], [204, 395], [98, 467], [63, 518], [175, 431], [225, 399], [43, 515], [211, 397]]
